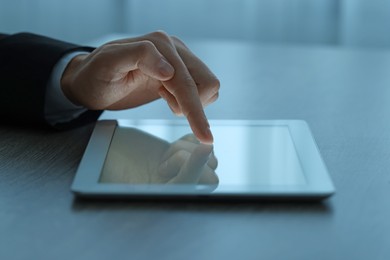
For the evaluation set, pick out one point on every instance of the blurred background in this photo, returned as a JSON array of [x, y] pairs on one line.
[[341, 23]]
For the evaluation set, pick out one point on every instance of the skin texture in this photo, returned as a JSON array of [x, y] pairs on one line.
[[131, 72]]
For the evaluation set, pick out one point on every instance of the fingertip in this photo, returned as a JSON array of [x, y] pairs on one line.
[[165, 69], [210, 136], [206, 137], [201, 128]]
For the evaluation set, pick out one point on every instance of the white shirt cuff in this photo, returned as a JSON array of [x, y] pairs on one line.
[[58, 108]]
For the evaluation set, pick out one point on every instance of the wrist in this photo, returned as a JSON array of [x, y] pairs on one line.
[[68, 78]]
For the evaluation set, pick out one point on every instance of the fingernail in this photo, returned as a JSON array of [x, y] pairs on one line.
[[165, 68], [209, 136]]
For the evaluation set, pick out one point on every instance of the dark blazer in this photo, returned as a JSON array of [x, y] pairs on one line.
[[26, 62]]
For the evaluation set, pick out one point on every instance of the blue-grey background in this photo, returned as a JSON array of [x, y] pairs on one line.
[[344, 23]]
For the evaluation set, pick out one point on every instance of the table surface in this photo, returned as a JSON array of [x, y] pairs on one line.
[[344, 95]]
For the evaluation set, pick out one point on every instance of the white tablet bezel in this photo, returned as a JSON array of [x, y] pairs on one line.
[[319, 185]]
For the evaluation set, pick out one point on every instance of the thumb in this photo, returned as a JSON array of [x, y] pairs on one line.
[[151, 62]]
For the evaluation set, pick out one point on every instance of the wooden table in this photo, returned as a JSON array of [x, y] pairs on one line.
[[344, 95]]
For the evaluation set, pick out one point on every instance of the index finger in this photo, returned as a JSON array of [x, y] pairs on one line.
[[182, 87], [184, 90]]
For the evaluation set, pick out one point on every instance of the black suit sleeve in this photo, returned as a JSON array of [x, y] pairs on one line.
[[26, 63]]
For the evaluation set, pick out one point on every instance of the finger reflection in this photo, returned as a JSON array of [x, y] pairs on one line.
[[137, 157]]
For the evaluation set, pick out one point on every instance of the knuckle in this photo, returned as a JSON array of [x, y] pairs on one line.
[[108, 47], [178, 41], [210, 86], [182, 155], [160, 35], [105, 49], [215, 97], [215, 84], [145, 46], [101, 58]]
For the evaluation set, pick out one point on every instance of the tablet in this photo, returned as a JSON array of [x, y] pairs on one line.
[[160, 159]]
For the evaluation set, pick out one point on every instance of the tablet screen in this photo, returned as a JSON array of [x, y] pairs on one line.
[[244, 155]]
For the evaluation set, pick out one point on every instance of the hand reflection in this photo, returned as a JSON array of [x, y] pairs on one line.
[[188, 161], [136, 157]]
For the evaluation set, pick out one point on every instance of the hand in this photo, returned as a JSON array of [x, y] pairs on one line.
[[131, 72]]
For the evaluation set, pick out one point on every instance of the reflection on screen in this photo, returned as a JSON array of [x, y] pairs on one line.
[[137, 157], [246, 155]]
